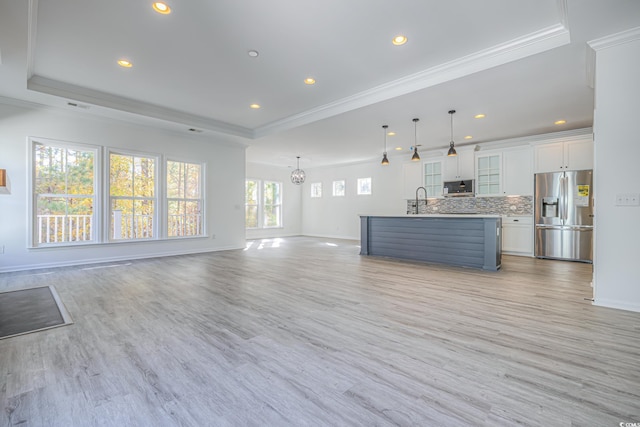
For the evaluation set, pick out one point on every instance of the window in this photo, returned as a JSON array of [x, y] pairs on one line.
[[70, 204], [338, 188], [64, 189], [184, 199], [132, 201], [364, 186], [433, 178], [316, 189], [263, 204], [272, 204]]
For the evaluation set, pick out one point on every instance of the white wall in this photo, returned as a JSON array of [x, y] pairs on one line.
[[337, 217], [617, 170], [225, 172], [291, 203]]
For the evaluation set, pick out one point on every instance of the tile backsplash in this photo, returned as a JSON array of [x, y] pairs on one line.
[[515, 205]]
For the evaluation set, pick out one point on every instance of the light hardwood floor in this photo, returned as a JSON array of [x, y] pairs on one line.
[[305, 332]]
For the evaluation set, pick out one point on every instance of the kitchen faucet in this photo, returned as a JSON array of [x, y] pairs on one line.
[[425, 198]]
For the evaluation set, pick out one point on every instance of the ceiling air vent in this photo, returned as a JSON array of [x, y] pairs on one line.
[[76, 105]]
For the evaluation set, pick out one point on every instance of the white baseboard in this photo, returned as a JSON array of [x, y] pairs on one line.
[[103, 260], [620, 305], [332, 236]]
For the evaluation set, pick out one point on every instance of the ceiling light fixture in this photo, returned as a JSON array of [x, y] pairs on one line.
[[253, 53], [385, 160], [391, 133], [398, 148], [399, 40], [452, 151], [125, 63], [254, 106], [298, 175], [161, 7], [479, 116], [560, 122], [309, 81], [468, 137], [415, 156]]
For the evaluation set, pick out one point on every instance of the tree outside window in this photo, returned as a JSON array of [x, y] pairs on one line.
[[132, 196], [64, 192], [184, 199], [263, 204], [251, 203]]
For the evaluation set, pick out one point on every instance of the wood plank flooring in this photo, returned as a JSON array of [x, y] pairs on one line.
[[305, 332]]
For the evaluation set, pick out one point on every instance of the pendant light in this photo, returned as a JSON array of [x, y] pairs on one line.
[[298, 175], [385, 161], [415, 156], [452, 150]]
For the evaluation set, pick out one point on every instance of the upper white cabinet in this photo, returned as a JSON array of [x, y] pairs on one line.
[[568, 155], [489, 174], [461, 166], [507, 172], [411, 178], [517, 168]]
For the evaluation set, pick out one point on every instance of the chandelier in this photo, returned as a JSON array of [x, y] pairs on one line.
[[298, 175]]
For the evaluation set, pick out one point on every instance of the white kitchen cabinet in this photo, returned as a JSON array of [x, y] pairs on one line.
[[461, 166], [517, 168], [568, 155], [489, 174], [411, 178], [517, 235]]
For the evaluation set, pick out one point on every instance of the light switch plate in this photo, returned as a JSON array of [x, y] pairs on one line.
[[629, 199]]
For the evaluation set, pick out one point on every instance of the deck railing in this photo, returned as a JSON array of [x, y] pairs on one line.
[[78, 228]]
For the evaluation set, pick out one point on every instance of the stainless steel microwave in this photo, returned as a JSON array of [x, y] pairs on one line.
[[459, 188]]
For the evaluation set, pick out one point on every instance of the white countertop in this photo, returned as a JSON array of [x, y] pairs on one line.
[[436, 216]]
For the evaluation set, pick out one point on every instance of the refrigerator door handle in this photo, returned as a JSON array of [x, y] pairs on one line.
[[565, 199]]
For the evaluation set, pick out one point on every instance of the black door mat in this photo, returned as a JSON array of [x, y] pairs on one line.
[[30, 310]]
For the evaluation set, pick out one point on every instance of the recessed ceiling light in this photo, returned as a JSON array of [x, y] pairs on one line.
[[399, 40], [398, 148], [125, 63], [253, 53], [309, 81], [254, 106], [560, 122], [391, 133], [161, 7], [468, 137], [479, 116]]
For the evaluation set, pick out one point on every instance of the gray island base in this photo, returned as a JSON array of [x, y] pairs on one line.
[[460, 240]]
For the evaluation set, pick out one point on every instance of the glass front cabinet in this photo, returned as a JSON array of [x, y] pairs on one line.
[[489, 175]]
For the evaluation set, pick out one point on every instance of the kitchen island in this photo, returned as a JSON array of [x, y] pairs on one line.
[[467, 240]]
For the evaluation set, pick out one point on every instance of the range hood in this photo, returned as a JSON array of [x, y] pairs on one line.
[[459, 188]]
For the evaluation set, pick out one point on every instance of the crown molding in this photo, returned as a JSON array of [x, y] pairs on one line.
[[32, 25], [627, 36], [107, 100], [521, 47]]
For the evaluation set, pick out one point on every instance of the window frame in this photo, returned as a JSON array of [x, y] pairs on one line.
[[257, 205], [158, 191], [358, 186], [261, 206], [264, 203], [167, 199], [313, 194], [344, 188], [32, 205]]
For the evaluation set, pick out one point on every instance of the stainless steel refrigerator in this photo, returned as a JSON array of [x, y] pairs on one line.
[[564, 215]]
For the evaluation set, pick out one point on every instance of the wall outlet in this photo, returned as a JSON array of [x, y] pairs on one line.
[[630, 199], [213, 236]]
